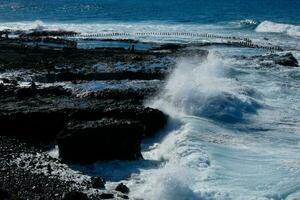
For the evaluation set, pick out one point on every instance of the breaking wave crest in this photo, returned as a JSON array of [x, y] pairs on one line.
[[204, 90], [272, 27]]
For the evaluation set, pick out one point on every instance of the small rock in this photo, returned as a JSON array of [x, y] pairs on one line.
[[123, 196], [36, 189], [75, 196], [97, 182], [106, 196], [122, 188], [49, 169], [287, 60]]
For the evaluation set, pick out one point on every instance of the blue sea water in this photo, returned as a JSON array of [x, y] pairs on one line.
[[234, 131], [178, 11]]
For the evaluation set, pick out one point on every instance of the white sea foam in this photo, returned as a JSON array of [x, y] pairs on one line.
[[112, 27], [249, 22], [99, 27], [201, 89], [272, 27], [208, 160]]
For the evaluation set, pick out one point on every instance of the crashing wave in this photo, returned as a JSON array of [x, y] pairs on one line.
[[249, 23], [272, 27], [37, 25], [204, 90]]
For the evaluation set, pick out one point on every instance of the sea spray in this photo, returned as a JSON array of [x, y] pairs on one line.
[[203, 89], [190, 83]]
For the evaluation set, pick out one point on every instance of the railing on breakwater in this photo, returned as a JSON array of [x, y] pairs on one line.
[[229, 40]]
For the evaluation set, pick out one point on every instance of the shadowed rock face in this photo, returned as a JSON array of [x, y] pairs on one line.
[[286, 60], [35, 124], [75, 196], [117, 125], [105, 139]]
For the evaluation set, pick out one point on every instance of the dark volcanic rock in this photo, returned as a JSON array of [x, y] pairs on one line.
[[4, 195], [75, 196], [97, 182], [89, 76], [48, 33], [35, 124], [271, 60], [152, 119], [286, 60], [18, 179], [106, 139], [123, 196], [121, 94], [53, 90], [106, 196], [171, 47], [122, 188], [23, 93]]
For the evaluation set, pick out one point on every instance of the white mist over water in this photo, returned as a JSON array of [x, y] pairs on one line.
[[202, 89], [192, 83]]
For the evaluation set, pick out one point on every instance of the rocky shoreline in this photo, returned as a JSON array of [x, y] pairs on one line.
[[39, 111], [88, 103]]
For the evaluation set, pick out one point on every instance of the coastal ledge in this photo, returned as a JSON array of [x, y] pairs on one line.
[[42, 116], [86, 128]]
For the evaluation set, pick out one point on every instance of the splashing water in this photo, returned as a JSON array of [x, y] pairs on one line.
[[203, 90], [234, 152]]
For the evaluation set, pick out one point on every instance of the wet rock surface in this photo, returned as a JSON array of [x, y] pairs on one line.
[[75, 196], [122, 188], [97, 182], [270, 60], [286, 60], [104, 139]]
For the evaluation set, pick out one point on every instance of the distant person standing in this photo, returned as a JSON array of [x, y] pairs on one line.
[[132, 48]]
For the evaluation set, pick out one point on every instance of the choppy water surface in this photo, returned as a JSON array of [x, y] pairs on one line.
[[234, 128]]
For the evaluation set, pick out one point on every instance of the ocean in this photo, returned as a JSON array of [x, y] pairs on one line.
[[234, 130]]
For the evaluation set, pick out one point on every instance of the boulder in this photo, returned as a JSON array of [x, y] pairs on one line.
[[286, 60], [122, 188], [106, 196], [97, 182], [105, 139]]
